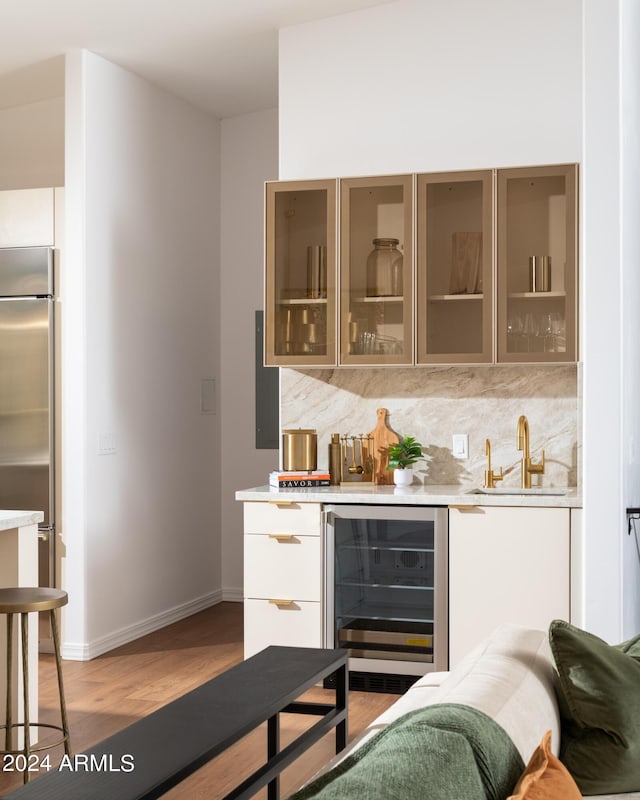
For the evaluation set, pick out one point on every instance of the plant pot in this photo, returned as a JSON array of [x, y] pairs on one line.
[[403, 477]]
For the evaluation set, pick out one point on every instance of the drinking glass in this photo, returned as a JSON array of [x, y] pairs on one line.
[[531, 331], [548, 333], [559, 332], [514, 333]]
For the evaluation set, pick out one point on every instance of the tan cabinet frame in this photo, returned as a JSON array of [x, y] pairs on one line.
[[272, 189], [423, 287]]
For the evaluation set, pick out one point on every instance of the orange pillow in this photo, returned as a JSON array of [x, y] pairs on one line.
[[546, 777]]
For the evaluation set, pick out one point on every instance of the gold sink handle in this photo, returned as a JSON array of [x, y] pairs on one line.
[[490, 477]]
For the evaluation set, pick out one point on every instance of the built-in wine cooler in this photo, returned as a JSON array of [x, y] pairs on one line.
[[386, 589]]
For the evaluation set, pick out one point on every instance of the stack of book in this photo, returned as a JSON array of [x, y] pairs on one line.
[[299, 480]]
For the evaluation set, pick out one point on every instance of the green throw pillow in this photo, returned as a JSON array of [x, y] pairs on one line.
[[599, 699], [440, 752], [631, 647]]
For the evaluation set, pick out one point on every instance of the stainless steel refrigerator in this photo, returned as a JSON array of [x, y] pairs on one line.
[[27, 479]]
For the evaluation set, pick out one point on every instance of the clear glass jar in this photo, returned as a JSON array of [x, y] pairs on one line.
[[384, 269]]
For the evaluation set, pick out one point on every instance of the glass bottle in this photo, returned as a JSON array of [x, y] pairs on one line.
[[384, 269]]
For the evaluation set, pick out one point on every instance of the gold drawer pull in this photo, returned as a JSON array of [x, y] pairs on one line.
[[282, 537], [281, 502], [281, 602]]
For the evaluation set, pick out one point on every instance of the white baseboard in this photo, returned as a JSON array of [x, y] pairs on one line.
[[231, 594], [76, 651]]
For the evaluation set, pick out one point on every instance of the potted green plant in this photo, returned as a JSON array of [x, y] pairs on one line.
[[402, 456]]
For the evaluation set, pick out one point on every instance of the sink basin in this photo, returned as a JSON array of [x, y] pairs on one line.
[[508, 490]]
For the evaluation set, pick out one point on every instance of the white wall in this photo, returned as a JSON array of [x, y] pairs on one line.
[[431, 85], [249, 157], [602, 329], [630, 257], [611, 247], [140, 330]]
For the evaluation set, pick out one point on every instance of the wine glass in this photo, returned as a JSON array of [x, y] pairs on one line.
[[548, 333], [531, 330], [514, 332], [559, 332]]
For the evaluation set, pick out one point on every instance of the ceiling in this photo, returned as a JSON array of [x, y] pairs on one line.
[[221, 55]]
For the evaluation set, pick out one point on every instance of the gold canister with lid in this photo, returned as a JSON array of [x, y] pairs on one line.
[[299, 449]]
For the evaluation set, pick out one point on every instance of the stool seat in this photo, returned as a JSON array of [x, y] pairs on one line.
[[25, 599]]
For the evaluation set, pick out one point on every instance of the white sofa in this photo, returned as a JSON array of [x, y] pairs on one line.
[[510, 677]]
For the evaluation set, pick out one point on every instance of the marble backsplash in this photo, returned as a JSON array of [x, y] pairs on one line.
[[433, 403]]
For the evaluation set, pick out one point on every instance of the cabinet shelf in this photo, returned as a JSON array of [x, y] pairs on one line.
[[397, 547], [443, 298], [303, 301], [387, 612], [536, 295], [419, 583], [382, 298]]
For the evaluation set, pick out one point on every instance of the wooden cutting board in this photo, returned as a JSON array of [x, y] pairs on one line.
[[382, 436]]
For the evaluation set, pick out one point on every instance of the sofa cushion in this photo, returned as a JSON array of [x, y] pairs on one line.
[[599, 699], [545, 778], [444, 752], [510, 677]]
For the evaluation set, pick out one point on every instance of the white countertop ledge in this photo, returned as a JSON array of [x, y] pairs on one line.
[[18, 519], [418, 495]]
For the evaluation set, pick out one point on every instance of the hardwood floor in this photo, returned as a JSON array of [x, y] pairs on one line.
[[114, 690]]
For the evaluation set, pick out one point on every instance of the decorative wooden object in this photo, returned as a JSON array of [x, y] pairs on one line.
[[466, 262], [382, 436]]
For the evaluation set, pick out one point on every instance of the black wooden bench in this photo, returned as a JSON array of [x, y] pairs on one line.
[[152, 755]]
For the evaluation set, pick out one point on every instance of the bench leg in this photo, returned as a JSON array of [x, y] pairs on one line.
[[342, 693], [273, 747]]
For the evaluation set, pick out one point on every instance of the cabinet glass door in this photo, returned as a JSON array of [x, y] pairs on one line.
[[376, 270], [300, 283], [454, 274], [537, 265]]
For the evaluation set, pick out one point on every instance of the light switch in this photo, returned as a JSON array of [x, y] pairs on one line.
[[460, 447], [208, 396]]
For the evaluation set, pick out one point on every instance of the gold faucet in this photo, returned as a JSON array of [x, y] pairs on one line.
[[490, 476], [522, 443]]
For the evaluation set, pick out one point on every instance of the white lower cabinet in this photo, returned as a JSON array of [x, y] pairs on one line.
[[283, 568], [505, 565]]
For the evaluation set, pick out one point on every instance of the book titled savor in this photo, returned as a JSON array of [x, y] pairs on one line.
[[299, 480]]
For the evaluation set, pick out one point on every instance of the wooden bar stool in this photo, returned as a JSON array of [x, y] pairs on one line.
[[25, 600]]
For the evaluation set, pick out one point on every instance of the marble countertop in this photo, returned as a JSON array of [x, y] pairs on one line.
[[418, 495], [16, 519]]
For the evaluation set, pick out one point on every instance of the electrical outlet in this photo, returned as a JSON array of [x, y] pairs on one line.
[[460, 446], [106, 444]]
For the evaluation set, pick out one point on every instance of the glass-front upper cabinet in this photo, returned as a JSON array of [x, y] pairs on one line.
[[454, 273], [300, 283], [537, 266], [376, 269]]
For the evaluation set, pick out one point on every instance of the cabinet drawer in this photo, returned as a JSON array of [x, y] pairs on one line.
[[283, 567], [298, 624], [299, 518]]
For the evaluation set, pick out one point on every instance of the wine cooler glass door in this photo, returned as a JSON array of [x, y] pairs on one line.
[[386, 588]]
